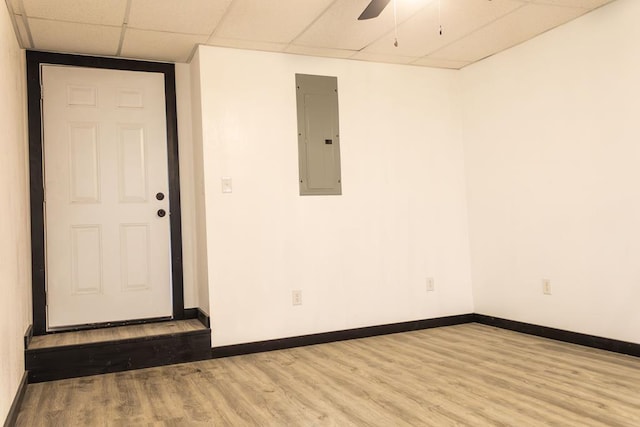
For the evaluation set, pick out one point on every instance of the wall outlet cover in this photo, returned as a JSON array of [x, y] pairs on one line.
[[296, 297], [431, 285]]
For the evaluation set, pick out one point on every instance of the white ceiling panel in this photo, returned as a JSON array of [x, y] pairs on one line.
[[74, 38], [247, 44], [271, 21], [184, 16], [421, 34], [103, 12], [339, 27], [319, 51], [514, 28], [159, 46], [169, 30]]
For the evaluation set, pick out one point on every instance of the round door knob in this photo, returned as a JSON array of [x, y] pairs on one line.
[[161, 213], [160, 196]]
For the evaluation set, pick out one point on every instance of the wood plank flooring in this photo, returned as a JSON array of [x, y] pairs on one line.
[[464, 375], [115, 333]]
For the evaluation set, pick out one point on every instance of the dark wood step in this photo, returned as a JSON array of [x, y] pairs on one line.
[[116, 355]]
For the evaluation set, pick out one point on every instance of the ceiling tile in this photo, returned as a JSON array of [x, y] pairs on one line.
[[101, 12], [339, 27], [440, 63], [73, 37], [377, 57], [319, 51], [247, 44], [421, 34], [521, 25], [184, 16], [159, 46], [168, 30], [270, 21]]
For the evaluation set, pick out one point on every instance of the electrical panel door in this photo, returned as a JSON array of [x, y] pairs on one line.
[[318, 135]]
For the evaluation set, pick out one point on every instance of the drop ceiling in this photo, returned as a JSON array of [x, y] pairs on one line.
[[170, 30]]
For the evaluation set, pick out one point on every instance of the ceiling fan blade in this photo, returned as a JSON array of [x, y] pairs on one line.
[[374, 9]]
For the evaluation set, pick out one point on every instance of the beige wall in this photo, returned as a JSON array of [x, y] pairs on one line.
[[552, 154], [15, 258]]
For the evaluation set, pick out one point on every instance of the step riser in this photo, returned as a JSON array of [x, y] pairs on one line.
[[48, 364]]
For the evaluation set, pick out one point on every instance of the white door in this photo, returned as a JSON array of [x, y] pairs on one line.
[[105, 171]]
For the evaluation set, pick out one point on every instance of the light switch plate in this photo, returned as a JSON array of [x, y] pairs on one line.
[[227, 186]]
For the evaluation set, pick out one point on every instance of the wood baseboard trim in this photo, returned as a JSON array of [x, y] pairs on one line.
[[28, 336], [190, 313], [12, 416], [347, 334], [196, 313], [592, 341], [204, 318]]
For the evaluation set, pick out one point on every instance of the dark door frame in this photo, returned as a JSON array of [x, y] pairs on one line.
[[35, 60]]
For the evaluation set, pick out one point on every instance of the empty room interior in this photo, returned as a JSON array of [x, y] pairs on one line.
[[329, 212]]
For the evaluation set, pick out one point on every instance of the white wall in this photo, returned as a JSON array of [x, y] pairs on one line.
[[200, 259], [194, 252], [187, 196], [360, 259], [552, 151], [187, 186], [15, 266]]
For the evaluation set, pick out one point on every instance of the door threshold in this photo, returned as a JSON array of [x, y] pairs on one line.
[[102, 325], [115, 334]]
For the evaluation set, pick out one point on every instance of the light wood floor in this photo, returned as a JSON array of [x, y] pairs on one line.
[[470, 375], [116, 333]]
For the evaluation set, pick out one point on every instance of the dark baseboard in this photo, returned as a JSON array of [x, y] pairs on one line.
[[204, 318], [190, 313], [47, 364], [12, 416], [601, 343], [196, 313], [608, 344], [28, 336], [326, 337]]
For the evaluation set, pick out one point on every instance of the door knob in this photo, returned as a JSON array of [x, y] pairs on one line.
[[159, 196], [161, 213]]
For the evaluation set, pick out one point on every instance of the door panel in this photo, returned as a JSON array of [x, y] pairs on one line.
[[132, 165], [83, 161], [86, 259], [105, 156]]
